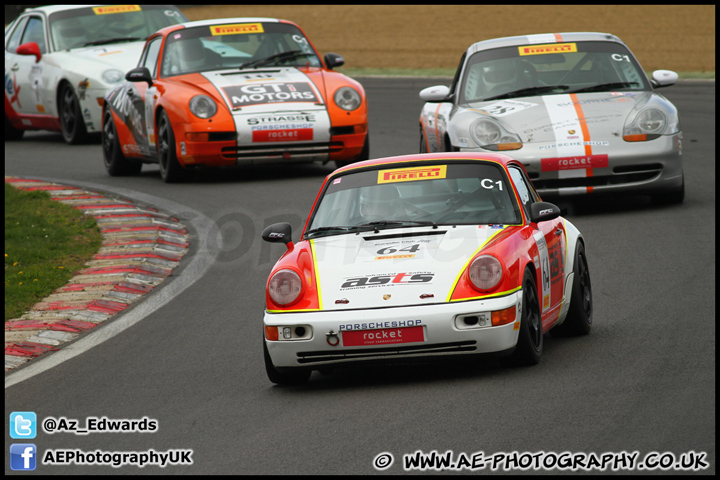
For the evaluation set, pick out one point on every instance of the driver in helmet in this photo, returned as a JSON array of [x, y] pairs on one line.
[[381, 202], [500, 76]]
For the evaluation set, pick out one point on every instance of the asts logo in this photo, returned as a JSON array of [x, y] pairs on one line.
[[412, 174], [237, 29], [547, 48], [116, 9]]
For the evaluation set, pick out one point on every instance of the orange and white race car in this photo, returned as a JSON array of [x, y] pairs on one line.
[[424, 256], [229, 92]]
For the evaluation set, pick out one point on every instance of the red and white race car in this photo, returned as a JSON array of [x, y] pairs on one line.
[[424, 255], [233, 91]]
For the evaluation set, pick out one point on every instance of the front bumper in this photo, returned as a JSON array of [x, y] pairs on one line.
[[444, 333], [632, 167]]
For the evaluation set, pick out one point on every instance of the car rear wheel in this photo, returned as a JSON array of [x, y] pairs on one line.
[[580, 313], [71, 120], [284, 378], [423, 145], [530, 340], [170, 169], [115, 162]]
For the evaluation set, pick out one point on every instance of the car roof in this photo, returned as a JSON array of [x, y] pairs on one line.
[[502, 159], [49, 9], [566, 37]]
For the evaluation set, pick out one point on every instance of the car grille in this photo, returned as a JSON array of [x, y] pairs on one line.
[[376, 353], [282, 152], [621, 176]]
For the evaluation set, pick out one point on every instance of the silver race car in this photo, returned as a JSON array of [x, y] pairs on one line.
[[575, 108]]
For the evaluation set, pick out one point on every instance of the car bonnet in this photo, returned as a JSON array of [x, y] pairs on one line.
[[561, 118], [396, 267], [123, 56]]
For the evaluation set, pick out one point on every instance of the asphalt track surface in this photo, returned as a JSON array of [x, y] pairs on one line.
[[189, 355]]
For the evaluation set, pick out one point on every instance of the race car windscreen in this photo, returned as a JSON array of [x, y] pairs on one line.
[[245, 45], [576, 67], [442, 194], [104, 25]]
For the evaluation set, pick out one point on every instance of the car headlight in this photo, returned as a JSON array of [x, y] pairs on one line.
[[490, 135], [285, 287], [649, 124], [485, 272], [113, 76], [203, 106], [347, 98]]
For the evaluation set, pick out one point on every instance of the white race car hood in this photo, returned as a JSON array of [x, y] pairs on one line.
[[551, 118], [278, 105], [395, 267], [123, 56], [277, 89]]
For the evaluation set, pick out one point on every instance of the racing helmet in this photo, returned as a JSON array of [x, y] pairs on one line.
[[192, 54], [499, 72], [379, 202]]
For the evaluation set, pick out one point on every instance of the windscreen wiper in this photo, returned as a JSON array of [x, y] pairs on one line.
[[606, 86], [528, 91], [275, 58], [108, 41]]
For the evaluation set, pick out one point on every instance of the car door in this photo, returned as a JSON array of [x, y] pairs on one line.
[[23, 73], [551, 240]]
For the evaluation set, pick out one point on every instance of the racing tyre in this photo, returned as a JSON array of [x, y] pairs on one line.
[[115, 162], [579, 316], [170, 169], [364, 155], [423, 145], [284, 378], [670, 198], [12, 133], [71, 119], [530, 340]]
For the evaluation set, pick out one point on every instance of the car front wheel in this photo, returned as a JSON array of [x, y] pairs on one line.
[[71, 120], [170, 169], [115, 162], [284, 378]]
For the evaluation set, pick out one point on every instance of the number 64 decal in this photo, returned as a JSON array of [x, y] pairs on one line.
[[389, 250]]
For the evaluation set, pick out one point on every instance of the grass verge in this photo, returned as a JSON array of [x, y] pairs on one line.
[[46, 243]]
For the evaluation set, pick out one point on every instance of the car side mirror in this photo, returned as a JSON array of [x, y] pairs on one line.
[[437, 93], [277, 233], [333, 60], [139, 74], [663, 78], [543, 211], [30, 48]]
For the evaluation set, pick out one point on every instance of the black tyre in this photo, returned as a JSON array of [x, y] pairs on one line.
[[115, 162], [580, 313], [670, 198], [423, 144], [170, 169], [12, 133], [71, 119], [530, 341], [284, 378]]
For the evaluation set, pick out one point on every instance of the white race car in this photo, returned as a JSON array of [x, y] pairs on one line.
[[60, 60], [575, 108], [450, 254]]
